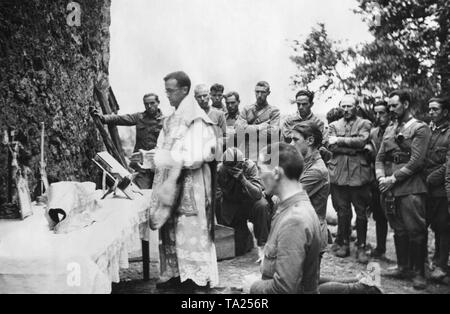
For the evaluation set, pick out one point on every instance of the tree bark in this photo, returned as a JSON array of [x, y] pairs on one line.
[[48, 70]]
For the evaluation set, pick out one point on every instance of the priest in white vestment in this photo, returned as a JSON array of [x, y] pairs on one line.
[[185, 145]]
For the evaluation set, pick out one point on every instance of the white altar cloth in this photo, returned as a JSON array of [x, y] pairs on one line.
[[35, 260]]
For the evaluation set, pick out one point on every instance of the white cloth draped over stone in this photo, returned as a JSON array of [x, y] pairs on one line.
[[186, 249]]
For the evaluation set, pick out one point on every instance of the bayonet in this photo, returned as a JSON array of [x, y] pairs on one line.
[[44, 180]]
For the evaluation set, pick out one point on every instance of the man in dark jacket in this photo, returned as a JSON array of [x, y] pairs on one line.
[[306, 136], [241, 198], [399, 170], [382, 120], [437, 204], [148, 125], [350, 176], [304, 100]]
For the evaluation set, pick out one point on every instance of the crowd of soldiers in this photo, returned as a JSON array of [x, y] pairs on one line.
[[394, 167]]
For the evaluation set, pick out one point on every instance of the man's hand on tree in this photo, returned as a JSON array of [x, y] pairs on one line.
[[94, 112]]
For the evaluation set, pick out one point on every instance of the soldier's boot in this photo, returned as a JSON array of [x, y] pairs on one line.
[[361, 255], [348, 288], [378, 253], [403, 271], [441, 257], [363, 285], [418, 259], [381, 231], [419, 281], [336, 246], [361, 231], [341, 234], [344, 224], [344, 250], [361, 288], [438, 274], [444, 246]]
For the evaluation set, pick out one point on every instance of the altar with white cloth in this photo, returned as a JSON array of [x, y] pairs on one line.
[[34, 259]]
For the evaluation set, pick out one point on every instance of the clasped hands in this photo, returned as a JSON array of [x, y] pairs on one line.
[[235, 172], [234, 169], [386, 183]]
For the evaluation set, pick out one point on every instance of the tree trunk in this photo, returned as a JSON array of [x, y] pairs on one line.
[[52, 53]]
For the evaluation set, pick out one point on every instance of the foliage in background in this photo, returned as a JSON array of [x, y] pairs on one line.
[[411, 49], [323, 64]]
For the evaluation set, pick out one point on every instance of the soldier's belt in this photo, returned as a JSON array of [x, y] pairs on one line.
[[347, 151], [398, 158]]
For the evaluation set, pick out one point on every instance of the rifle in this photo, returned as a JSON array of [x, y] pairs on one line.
[[44, 180]]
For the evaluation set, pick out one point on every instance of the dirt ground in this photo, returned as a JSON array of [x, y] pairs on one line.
[[232, 271]]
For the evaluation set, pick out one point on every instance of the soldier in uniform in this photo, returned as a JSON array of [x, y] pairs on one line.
[[232, 101], [398, 169], [350, 176], [148, 126], [437, 204], [217, 116], [382, 117], [307, 137], [305, 101], [259, 121], [216, 93], [240, 198], [291, 254]]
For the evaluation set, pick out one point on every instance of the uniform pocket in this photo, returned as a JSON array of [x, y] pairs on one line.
[[364, 163], [440, 153], [141, 130], [332, 165]]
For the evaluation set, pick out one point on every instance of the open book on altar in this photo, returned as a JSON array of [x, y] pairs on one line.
[[115, 175]]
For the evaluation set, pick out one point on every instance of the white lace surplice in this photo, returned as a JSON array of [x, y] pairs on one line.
[[187, 249]]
